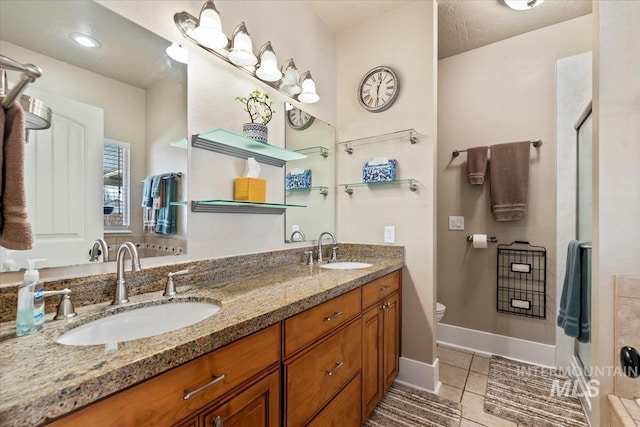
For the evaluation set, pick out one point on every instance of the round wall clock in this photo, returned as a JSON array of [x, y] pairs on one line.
[[298, 119], [378, 89]]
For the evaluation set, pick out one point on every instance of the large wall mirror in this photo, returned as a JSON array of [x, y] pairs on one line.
[[119, 115], [310, 181]]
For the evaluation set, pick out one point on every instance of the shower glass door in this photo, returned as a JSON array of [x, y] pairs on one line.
[[583, 208]]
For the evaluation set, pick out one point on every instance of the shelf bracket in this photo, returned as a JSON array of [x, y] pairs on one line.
[[324, 191], [413, 186], [348, 149], [324, 152], [348, 190]]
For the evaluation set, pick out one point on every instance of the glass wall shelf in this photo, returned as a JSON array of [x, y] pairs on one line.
[[324, 151], [407, 135], [180, 143], [237, 206], [413, 184], [233, 144], [323, 190], [180, 203]]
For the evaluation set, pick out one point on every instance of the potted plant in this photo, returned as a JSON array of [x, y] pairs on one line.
[[259, 106]]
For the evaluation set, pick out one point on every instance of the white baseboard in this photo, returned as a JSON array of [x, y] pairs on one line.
[[420, 375], [485, 342]]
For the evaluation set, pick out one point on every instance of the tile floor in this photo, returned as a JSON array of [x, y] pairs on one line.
[[464, 376]]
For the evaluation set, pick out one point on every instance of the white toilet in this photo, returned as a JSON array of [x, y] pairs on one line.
[[440, 309]]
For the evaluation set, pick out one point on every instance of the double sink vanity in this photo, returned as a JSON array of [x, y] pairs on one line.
[[278, 342]]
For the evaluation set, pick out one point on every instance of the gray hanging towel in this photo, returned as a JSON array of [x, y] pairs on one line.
[[476, 165], [509, 178]]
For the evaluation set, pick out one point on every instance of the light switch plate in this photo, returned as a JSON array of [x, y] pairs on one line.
[[456, 223], [389, 234]]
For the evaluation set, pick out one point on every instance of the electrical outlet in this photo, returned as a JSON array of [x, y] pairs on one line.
[[389, 234], [456, 223]]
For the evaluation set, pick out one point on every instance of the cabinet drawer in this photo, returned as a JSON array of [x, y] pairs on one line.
[[379, 289], [160, 400], [311, 324], [315, 377], [257, 406], [343, 410]]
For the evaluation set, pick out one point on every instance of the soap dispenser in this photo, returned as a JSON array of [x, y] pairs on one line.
[[30, 313]]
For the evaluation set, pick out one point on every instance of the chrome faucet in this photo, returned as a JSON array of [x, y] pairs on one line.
[[121, 294], [98, 246], [320, 244], [170, 287], [298, 233]]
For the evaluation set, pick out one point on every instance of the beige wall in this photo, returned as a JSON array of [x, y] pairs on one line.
[[166, 121], [616, 207], [498, 93], [362, 216]]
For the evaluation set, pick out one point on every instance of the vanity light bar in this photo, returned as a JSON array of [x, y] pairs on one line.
[[188, 24]]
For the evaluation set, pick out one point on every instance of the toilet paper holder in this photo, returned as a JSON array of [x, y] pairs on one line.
[[491, 239]]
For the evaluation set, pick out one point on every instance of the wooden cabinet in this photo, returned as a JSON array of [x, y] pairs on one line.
[[380, 340], [337, 363], [306, 327], [181, 392], [344, 409], [318, 374], [257, 406]]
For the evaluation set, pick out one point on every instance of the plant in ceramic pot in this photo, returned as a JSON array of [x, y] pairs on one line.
[[259, 106]]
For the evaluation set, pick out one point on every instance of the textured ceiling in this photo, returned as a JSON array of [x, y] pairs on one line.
[[467, 24], [462, 24]]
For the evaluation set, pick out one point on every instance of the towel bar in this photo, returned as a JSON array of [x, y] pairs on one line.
[[536, 143]]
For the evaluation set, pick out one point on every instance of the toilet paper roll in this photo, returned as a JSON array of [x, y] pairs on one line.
[[480, 241]]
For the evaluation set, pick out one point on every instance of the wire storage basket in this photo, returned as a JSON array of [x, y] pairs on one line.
[[522, 280]]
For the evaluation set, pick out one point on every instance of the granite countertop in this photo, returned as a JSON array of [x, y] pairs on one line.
[[41, 379]]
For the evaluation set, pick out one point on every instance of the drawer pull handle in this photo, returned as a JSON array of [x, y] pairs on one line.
[[189, 394], [384, 288], [333, 316], [217, 422], [334, 370], [386, 306]]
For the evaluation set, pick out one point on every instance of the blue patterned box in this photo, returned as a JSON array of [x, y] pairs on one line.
[[379, 172], [298, 179]]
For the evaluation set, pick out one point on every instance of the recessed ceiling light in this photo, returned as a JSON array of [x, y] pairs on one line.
[[523, 4], [85, 40]]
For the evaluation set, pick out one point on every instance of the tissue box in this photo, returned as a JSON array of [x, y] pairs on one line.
[[250, 189], [379, 173], [298, 180]]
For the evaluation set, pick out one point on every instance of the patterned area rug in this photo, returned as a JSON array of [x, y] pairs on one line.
[[405, 406], [522, 393]]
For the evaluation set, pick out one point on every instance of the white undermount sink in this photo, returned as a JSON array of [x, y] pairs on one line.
[[139, 323], [346, 265]]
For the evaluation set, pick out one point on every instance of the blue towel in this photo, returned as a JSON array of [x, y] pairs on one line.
[[155, 185], [147, 200], [575, 303], [167, 223]]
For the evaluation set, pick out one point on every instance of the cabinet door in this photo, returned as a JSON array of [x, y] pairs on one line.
[[257, 406], [391, 339], [372, 345], [343, 410], [315, 377], [191, 422]]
